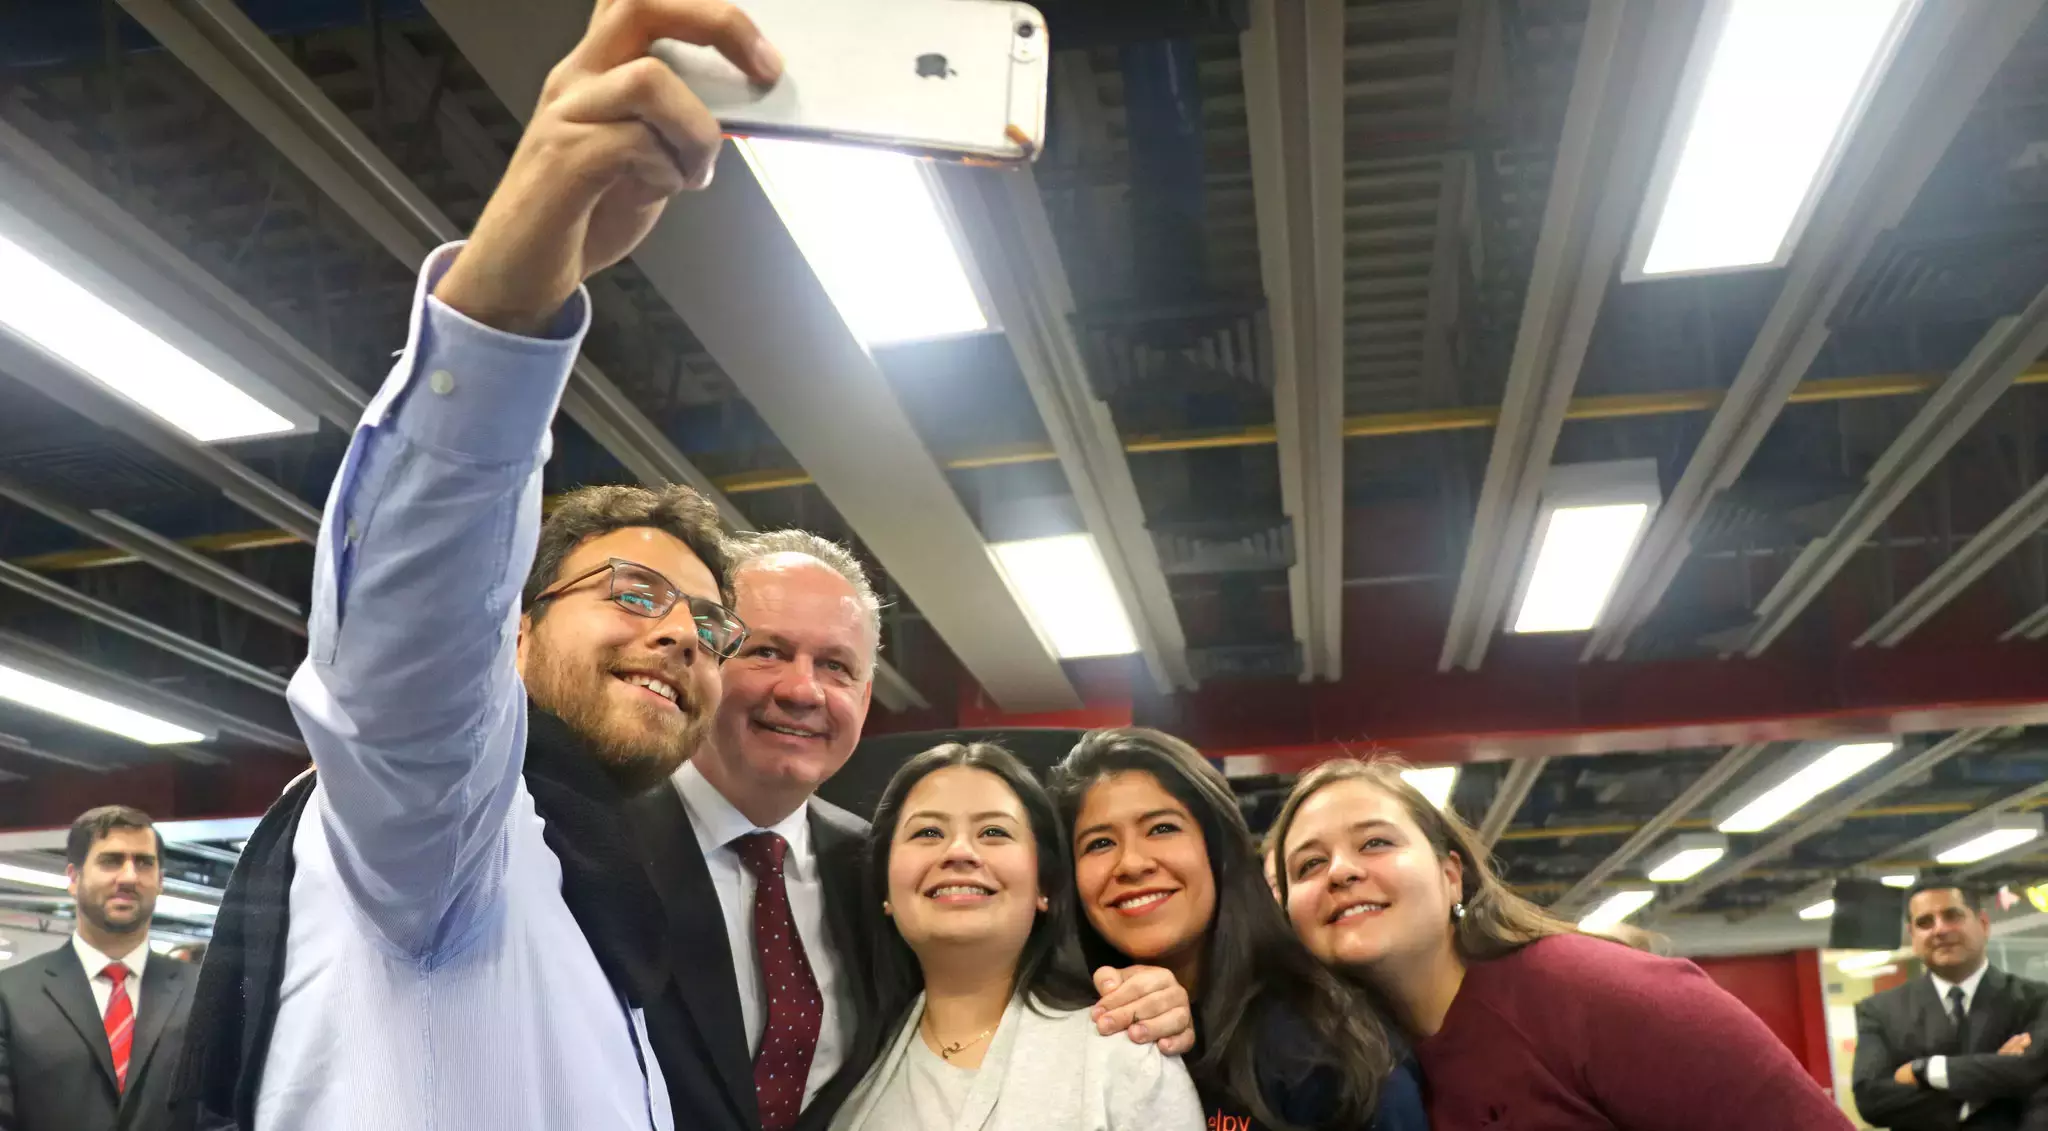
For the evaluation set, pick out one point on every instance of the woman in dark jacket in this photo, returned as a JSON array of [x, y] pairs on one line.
[[1166, 873]]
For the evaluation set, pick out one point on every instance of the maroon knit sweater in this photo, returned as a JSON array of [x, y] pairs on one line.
[[1581, 1034]]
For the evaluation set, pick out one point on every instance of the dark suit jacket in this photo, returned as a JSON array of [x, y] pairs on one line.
[[698, 1036], [56, 1072], [1907, 1022]]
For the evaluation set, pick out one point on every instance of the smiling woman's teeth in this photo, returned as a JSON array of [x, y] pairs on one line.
[[1138, 901], [960, 889], [1356, 910]]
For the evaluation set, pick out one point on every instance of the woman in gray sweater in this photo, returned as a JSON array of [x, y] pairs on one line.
[[981, 1008]]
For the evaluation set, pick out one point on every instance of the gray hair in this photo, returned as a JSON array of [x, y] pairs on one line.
[[747, 548]]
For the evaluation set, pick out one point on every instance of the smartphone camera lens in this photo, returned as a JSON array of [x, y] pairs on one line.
[[1026, 31]]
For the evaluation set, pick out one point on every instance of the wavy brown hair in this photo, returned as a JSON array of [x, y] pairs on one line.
[[1496, 921]]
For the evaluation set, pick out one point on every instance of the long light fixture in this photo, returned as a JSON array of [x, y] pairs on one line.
[[1065, 590], [1825, 909], [1999, 835], [1901, 880], [51, 310], [18, 686], [1686, 856], [1591, 519], [875, 229], [1864, 961], [175, 906], [1616, 908], [1433, 782], [1771, 96], [1830, 768]]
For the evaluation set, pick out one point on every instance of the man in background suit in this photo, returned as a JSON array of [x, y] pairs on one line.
[[1961, 1046], [90, 1032], [742, 832]]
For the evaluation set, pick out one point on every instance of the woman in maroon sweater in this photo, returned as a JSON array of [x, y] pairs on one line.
[[1519, 1021]]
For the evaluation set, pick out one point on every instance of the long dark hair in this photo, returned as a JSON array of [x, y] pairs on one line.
[[1049, 970], [1252, 962], [1496, 921]]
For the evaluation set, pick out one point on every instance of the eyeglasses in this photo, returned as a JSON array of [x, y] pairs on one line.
[[645, 593]]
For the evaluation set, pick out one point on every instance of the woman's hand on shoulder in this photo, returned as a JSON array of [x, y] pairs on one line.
[[1146, 1003]]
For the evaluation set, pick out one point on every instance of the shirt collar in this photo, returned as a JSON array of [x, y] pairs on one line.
[[1969, 984], [95, 963], [717, 823]]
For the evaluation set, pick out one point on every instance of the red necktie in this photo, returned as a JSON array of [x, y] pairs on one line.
[[796, 1009], [120, 1023]]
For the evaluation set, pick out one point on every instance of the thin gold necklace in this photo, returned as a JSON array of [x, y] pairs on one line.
[[947, 1052]]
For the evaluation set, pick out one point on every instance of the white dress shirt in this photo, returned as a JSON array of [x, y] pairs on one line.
[[717, 825], [1937, 1066], [96, 972]]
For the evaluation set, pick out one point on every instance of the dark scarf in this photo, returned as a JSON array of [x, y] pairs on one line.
[[234, 1006]]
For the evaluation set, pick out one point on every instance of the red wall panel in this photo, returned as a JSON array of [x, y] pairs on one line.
[[1785, 991]]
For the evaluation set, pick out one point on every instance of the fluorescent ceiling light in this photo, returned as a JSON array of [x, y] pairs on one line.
[[1751, 151], [35, 877], [1593, 515], [1615, 908], [48, 308], [178, 907], [1066, 591], [1903, 880], [1810, 781], [1434, 782], [1825, 909], [1687, 856], [872, 224], [89, 710], [1863, 961], [2001, 835]]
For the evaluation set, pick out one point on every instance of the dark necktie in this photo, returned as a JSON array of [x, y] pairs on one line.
[[796, 1010], [1960, 1015], [120, 1023]]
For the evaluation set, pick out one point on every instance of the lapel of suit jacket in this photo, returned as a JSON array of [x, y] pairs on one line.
[[703, 968], [1990, 1013], [68, 987], [838, 851], [165, 982], [1930, 1013]]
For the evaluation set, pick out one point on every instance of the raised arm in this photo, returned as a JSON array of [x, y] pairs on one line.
[[409, 697]]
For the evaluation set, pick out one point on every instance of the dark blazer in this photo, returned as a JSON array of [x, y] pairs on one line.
[[698, 1036], [56, 1072], [1908, 1022]]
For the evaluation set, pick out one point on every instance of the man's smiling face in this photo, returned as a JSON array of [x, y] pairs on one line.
[[797, 693]]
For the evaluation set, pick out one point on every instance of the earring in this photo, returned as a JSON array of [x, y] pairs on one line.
[[886, 909], [1043, 904], [1458, 911]]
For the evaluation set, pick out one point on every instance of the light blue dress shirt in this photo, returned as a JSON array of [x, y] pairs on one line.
[[434, 978]]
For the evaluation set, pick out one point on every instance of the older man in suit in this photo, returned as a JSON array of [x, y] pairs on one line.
[[1962, 1046], [90, 1032]]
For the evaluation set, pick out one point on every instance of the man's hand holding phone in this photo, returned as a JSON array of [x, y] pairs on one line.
[[615, 134]]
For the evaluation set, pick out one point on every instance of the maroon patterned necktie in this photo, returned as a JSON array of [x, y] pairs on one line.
[[796, 1010]]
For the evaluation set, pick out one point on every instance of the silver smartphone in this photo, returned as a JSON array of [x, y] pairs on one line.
[[951, 79]]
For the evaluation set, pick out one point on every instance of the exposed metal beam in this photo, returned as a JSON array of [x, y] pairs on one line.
[[2001, 536], [1507, 800], [16, 745], [59, 666], [1293, 59], [185, 564], [184, 647], [1948, 58], [764, 316], [1827, 817], [2035, 627], [234, 57], [2011, 345], [1693, 796], [1956, 828], [1629, 58], [1445, 286], [1013, 247]]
